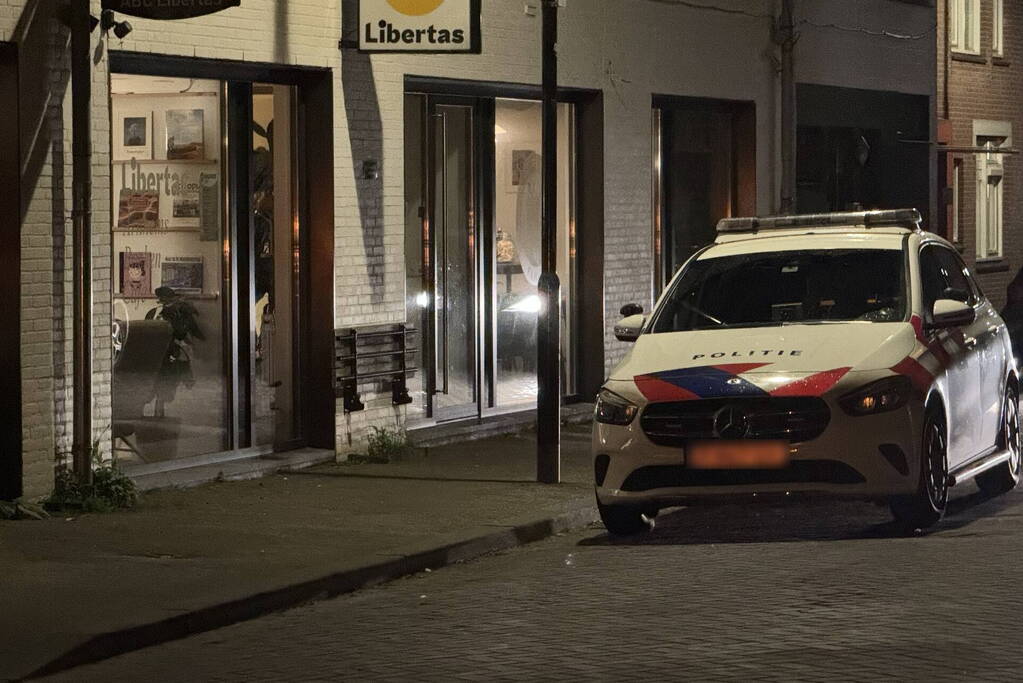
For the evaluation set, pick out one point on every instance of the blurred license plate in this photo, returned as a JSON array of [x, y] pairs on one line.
[[737, 455]]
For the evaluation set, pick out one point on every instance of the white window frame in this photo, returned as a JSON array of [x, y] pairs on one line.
[[957, 189], [990, 203], [998, 32], [964, 26]]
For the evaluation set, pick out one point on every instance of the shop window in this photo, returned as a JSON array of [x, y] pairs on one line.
[[964, 26], [990, 200], [204, 315]]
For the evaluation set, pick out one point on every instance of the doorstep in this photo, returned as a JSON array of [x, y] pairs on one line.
[[235, 469], [431, 435]]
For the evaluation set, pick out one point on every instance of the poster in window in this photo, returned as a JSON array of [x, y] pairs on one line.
[[185, 141], [183, 274], [138, 210], [136, 274], [134, 138], [209, 207]]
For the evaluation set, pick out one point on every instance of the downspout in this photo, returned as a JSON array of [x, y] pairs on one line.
[[785, 37], [81, 194]]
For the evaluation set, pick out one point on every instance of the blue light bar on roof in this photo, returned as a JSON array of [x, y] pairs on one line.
[[902, 218]]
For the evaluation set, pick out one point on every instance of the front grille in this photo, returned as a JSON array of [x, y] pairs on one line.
[[799, 472], [792, 419]]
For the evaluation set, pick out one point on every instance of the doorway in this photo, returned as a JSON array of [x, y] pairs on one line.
[[217, 330], [473, 187], [704, 170]]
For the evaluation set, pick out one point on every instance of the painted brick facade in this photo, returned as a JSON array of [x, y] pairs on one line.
[[628, 49], [986, 88]]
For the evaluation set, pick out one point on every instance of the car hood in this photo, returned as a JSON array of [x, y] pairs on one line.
[[784, 360]]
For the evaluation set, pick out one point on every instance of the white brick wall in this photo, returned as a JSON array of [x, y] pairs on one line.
[[629, 49]]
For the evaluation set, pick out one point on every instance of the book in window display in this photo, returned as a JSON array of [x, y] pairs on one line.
[[183, 274], [138, 210], [136, 274], [185, 141], [135, 138]]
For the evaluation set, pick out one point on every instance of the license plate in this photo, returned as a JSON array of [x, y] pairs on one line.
[[737, 455]]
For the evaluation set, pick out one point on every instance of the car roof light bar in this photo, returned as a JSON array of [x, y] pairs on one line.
[[902, 218]]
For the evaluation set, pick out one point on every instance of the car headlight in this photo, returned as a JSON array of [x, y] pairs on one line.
[[890, 393], [612, 409]]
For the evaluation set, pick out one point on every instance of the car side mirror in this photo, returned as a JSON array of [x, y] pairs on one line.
[[629, 310], [628, 329], [950, 313]]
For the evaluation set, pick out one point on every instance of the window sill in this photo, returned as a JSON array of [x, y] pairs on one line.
[[992, 265], [1000, 61], [969, 57]]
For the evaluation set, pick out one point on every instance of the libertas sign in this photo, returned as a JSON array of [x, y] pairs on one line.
[[168, 9], [419, 25]]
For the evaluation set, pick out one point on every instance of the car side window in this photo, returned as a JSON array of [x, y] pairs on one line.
[[958, 286], [932, 280]]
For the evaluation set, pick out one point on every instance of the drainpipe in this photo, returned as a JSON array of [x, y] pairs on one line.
[[548, 403], [81, 193], [785, 36]]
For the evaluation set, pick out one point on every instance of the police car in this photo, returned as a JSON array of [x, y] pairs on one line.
[[847, 354]]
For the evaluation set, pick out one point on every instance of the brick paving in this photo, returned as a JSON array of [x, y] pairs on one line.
[[809, 592]]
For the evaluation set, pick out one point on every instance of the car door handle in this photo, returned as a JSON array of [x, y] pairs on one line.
[[970, 342]]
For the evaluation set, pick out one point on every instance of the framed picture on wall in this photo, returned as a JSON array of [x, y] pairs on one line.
[[185, 135], [183, 274], [134, 137]]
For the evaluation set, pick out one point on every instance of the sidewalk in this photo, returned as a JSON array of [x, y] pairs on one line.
[[186, 561]]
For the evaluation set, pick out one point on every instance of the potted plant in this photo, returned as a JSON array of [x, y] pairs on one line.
[[177, 365]]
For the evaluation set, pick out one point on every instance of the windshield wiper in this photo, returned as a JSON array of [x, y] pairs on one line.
[[700, 313]]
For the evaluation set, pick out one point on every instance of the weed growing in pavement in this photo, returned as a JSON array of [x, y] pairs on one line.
[[110, 489], [385, 445]]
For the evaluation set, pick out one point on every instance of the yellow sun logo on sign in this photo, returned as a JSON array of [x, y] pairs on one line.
[[415, 8]]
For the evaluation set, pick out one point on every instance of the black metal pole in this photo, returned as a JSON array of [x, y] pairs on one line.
[[786, 38], [548, 404], [81, 191]]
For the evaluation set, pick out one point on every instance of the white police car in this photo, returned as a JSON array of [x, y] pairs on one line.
[[839, 354]]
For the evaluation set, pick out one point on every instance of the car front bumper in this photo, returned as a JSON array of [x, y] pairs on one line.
[[869, 457]]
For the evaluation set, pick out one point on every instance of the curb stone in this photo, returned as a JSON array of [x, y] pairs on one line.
[[115, 643]]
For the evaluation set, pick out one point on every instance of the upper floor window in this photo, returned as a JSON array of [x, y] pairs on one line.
[[990, 191], [964, 26], [998, 27]]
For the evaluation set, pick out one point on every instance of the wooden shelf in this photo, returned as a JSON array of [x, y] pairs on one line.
[[142, 162], [130, 299]]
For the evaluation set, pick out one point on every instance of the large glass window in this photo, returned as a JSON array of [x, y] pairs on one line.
[[964, 26], [473, 206], [204, 317]]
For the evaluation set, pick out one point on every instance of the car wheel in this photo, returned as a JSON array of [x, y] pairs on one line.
[[927, 505], [1005, 477], [625, 520]]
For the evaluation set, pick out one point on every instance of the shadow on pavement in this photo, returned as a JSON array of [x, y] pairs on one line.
[[798, 522]]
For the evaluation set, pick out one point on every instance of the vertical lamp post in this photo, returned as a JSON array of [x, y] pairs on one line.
[[548, 405]]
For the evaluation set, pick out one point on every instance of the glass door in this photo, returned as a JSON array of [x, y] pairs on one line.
[[453, 272]]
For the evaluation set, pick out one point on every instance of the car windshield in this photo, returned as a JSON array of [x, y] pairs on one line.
[[787, 287]]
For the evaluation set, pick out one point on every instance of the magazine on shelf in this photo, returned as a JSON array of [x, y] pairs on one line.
[[136, 274], [138, 210], [183, 274]]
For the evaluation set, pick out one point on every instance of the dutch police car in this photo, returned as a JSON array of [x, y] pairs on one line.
[[848, 354]]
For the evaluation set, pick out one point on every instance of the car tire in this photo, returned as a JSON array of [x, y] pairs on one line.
[[927, 506], [1006, 476], [625, 520]]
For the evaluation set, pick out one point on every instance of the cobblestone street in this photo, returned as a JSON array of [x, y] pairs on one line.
[[807, 592]]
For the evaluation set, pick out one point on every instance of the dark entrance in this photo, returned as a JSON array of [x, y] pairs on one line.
[[704, 170], [852, 152], [10, 280]]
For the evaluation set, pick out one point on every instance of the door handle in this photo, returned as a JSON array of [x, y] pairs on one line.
[[970, 342]]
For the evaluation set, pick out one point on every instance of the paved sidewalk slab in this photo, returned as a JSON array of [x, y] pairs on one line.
[[185, 559]]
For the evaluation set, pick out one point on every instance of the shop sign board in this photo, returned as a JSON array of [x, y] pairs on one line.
[[419, 26], [168, 9]]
